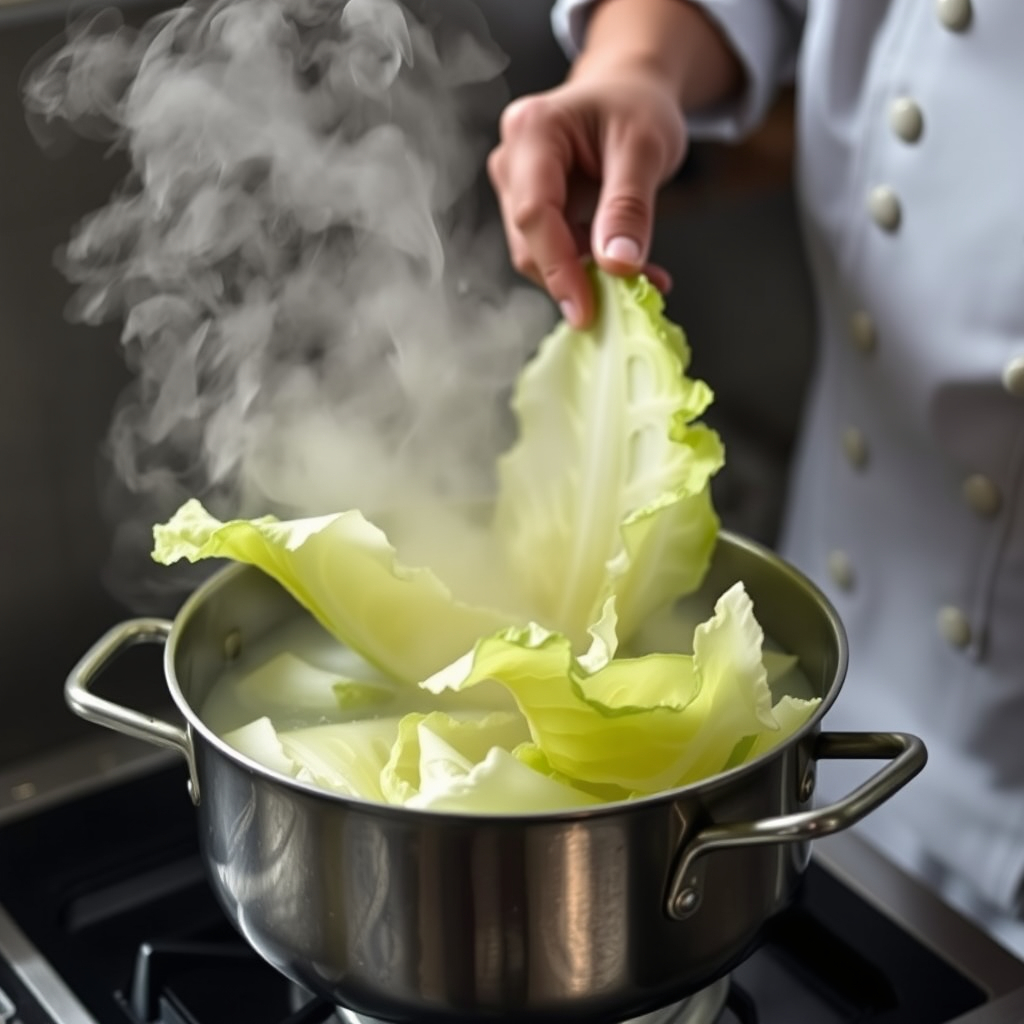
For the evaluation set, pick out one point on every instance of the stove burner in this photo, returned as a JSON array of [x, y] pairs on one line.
[[192, 983], [703, 1007]]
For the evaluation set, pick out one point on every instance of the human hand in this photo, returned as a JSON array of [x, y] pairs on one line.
[[577, 172]]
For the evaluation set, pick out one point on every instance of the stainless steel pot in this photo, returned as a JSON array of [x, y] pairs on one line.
[[602, 914]]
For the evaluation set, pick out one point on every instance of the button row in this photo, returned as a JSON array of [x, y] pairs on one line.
[[906, 121]]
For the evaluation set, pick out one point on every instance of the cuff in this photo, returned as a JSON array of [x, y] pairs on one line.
[[765, 35]]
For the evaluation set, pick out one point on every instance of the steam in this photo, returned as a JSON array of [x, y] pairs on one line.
[[314, 317]]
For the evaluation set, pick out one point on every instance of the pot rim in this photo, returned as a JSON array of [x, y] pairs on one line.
[[692, 790]]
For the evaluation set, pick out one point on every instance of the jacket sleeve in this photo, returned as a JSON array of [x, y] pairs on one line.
[[765, 35]]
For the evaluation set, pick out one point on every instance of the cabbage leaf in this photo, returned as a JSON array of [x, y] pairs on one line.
[[792, 714], [469, 735], [258, 741], [342, 569], [467, 764], [502, 784], [607, 490], [638, 724], [345, 757]]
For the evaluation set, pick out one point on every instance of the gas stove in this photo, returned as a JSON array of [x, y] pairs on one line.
[[106, 918]]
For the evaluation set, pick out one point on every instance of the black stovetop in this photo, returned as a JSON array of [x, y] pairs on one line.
[[107, 892]]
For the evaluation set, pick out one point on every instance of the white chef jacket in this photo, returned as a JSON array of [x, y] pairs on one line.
[[907, 505]]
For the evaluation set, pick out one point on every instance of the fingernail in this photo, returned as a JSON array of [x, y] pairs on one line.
[[570, 312], [622, 250]]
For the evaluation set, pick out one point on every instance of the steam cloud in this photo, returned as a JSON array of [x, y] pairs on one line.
[[314, 316]]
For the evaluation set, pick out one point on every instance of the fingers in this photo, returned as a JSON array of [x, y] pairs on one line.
[[657, 275], [530, 172], [540, 175], [538, 218], [634, 166]]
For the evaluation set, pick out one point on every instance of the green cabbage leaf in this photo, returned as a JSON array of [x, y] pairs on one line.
[[342, 569], [607, 490], [637, 724]]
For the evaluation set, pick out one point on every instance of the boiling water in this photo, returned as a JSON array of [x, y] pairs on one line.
[[251, 688], [264, 681]]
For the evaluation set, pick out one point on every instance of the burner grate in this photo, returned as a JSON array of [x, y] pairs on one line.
[[724, 1002], [183, 982], [209, 983]]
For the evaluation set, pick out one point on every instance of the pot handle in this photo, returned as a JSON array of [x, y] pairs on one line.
[[906, 755], [80, 698]]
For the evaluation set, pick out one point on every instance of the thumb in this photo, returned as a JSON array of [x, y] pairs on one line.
[[623, 223]]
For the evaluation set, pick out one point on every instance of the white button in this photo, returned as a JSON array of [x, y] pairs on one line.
[[862, 330], [906, 119], [954, 14], [856, 447], [1013, 377], [953, 625], [884, 207], [982, 495], [840, 569]]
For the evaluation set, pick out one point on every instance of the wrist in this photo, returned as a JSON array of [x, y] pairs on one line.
[[630, 61], [672, 42]]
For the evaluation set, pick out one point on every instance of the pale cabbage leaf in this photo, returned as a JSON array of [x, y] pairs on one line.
[[345, 757], [342, 569], [467, 765], [792, 714], [607, 490], [639, 724], [502, 784], [258, 741], [471, 734]]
